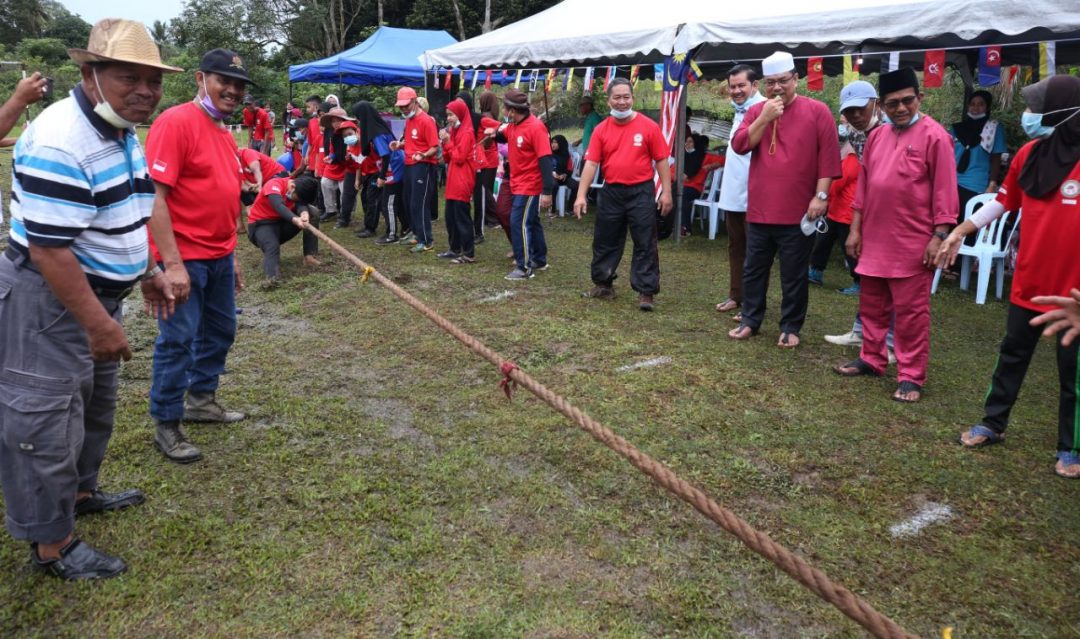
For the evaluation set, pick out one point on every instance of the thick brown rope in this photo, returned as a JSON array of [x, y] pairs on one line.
[[818, 582]]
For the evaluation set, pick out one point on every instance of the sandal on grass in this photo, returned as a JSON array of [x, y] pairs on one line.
[[727, 305], [855, 368], [789, 340], [1068, 465], [905, 387], [737, 317], [743, 332], [979, 436]]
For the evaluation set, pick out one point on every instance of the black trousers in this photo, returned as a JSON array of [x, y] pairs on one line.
[[1014, 356], [369, 201], [626, 207], [460, 227], [392, 208], [269, 235], [483, 200], [763, 243], [823, 246], [348, 199]]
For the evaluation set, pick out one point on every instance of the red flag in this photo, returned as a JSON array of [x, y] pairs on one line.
[[487, 79], [934, 68], [446, 84], [607, 78], [815, 74]]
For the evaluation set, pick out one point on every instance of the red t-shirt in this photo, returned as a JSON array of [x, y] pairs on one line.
[[249, 118], [259, 127], [370, 165], [842, 191], [268, 165], [697, 182], [262, 209], [268, 129], [625, 152], [527, 142], [197, 157], [1046, 262], [488, 158], [315, 150], [421, 134]]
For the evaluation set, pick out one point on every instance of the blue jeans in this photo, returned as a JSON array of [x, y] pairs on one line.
[[190, 351], [526, 234]]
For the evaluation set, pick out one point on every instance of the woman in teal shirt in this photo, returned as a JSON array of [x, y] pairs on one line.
[[979, 143]]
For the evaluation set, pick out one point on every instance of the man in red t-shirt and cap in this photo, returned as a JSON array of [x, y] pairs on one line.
[[421, 145], [193, 161], [628, 147]]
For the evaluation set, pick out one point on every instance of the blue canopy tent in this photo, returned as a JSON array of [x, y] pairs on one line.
[[390, 57]]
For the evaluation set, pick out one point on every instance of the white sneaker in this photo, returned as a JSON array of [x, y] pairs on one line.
[[892, 357], [850, 338]]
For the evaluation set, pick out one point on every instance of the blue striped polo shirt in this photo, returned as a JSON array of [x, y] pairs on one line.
[[78, 183]]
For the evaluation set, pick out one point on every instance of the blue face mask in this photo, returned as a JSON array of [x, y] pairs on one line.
[[1033, 126], [351, 140]]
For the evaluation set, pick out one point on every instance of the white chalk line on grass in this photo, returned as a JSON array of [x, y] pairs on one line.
[[649, 363], [930, 513], [498, 297]]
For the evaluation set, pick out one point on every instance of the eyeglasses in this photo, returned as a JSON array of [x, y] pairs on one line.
[[773, 83], [907, 101]]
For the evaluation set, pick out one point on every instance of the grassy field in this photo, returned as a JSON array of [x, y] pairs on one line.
[[382, 486]]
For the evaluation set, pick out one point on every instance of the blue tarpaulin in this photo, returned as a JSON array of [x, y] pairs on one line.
[[389, 57]]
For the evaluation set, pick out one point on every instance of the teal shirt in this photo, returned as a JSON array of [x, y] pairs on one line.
[[591, 121], [977, 175]]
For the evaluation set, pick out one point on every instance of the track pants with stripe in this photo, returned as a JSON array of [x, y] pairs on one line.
[[526, 234]]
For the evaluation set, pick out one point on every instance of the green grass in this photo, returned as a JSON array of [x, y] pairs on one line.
[[383, 486]]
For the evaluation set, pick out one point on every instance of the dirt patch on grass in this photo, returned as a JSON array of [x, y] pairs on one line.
[[265, 319]]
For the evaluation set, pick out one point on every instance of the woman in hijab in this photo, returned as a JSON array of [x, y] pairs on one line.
[[1044, 182], [487, 165], [697, 164], [375, 139], [564, 165], [979, 143], [459, 142]]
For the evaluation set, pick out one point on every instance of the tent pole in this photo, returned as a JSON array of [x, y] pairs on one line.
[[546, 115], [680, 155]]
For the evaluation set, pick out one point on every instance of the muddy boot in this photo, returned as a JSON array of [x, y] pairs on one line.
[[202, 407], [172, 441]]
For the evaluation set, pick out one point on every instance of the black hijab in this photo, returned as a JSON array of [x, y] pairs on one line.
[[1053, 158], [466, 97], [969, 131], [562, 156], [694, 160], [370, 122]]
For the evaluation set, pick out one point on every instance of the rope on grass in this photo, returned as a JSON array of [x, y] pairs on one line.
[[813, 579]]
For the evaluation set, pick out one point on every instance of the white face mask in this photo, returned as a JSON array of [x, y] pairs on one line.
[[976, 116], [622, 115], [105, 110]]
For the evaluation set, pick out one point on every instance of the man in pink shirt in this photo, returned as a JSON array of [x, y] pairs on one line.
[[796, 155], [905, 203]]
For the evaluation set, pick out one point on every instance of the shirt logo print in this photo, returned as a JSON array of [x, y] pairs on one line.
[[413, 133], [637, 139], [160, 166], [1070, 189], [520, 139]]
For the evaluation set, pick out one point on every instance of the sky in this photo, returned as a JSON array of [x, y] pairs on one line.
[[145, 11]]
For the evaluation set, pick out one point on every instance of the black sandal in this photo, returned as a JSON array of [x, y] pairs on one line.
[[861, 366], [907, 387]]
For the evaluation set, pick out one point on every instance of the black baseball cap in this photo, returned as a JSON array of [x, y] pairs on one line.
[[225, 62]]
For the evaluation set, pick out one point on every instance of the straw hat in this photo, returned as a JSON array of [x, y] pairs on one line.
[[335, 113], [119, 40]]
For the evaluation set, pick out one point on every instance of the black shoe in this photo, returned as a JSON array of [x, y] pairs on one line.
[[342, 225], [479, 239], [447, 255], [99, 502], [365, 233], [326, 217], [79, 560], [387, 239]]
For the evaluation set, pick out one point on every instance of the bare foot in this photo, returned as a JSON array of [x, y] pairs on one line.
[[788, 340], [742, 332], [727, 305], [310, 260]]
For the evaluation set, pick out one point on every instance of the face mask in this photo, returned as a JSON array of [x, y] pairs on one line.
[[106, 112], [874, 121], [842, 131], [1033, 126], [208, 104], [410, 115], [976, 116], [622, 115], [914, 119], [351, 140]]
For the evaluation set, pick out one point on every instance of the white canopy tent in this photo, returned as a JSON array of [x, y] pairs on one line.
[[600, 32]]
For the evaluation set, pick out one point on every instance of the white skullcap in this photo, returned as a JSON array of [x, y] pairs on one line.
[[779, 62]]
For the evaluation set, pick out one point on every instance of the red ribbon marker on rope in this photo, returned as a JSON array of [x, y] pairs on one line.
[[507, 383]]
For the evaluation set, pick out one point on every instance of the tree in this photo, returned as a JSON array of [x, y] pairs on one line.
[[21, 19]]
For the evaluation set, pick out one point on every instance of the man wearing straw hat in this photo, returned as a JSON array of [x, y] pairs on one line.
[[796, 156], [77, 247], [197, 177]]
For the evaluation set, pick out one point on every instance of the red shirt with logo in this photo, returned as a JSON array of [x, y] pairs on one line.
[[527, 141], [197, 158], [258, 131], [1046, 262], [698, 181], [268, 165], [488, 154], [315, 150], [625, 152], [262, 209], [421, 134]]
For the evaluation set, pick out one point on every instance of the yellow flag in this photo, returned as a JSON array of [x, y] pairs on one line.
[[850, 74], [1047, 59]]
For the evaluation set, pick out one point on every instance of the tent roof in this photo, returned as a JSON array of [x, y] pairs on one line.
[[383, 59], [603, 32]]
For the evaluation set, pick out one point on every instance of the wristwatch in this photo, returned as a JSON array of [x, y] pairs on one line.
[[822, 195], [941, 235], [151, 273]]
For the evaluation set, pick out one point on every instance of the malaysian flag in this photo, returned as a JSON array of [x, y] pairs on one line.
[[675, 70]]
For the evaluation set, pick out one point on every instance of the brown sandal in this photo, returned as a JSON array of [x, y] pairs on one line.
[[742, 332], [727, 306]]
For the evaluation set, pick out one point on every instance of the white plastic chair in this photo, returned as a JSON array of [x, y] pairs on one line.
[[711, 201], [989, 250], [562, 194]]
